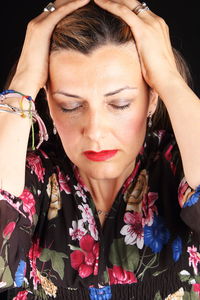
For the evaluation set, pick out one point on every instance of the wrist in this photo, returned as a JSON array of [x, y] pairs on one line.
[[16, 99], [25, 87], [174, 88], [172, 83]]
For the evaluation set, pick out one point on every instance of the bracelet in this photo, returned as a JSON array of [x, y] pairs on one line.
[[33, 115], [13, 94], [15, 110]]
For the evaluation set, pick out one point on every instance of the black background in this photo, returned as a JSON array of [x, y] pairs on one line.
[[181, 16]]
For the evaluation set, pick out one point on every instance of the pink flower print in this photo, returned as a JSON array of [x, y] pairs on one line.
[[194, 258], [79, 179], [34, 253], [35, 250], [148, 208], [28, 203], [184, 192], [21, 295], [80, 192], [95, 250], [93, 229], [88, 217], [168, 156], [5, 196], [85, 261], [35, 163], [119, 276], [8, 230], [133, 231], [86, 213], [44, 154], [63, 182], [196, 288], [77, 231], [77, 258]]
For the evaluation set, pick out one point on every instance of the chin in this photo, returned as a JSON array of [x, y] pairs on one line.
[[101, 171]]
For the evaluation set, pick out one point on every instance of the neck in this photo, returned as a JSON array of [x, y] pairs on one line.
[[104, 191]]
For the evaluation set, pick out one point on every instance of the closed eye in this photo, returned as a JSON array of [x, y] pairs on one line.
[[71, 109], [120, 106]]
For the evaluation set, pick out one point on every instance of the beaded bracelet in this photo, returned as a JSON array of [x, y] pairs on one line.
[[32, 113]]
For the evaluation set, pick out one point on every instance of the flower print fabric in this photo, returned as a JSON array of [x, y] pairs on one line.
[[52, 245], [85, 260]]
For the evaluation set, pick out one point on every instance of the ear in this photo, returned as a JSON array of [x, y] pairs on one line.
[[153, 101]]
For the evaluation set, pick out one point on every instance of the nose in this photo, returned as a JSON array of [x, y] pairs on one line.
[[95, 127]]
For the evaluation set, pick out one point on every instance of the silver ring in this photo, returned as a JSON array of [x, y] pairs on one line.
[[50, 7], [139, 8]]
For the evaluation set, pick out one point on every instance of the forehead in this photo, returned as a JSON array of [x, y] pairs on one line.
[[105, 64]]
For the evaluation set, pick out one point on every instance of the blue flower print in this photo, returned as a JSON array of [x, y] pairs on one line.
[[193, 198], [177, 248], [19, 275], [156, 235], [104, 293]]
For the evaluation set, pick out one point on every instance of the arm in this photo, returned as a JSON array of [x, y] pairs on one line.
[[184, 110], [160, 72], [31, 75]]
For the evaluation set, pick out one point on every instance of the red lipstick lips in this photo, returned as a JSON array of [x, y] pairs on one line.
[[100, 156]]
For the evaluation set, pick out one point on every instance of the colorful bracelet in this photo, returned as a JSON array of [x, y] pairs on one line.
[[32, 113], [13, 94]]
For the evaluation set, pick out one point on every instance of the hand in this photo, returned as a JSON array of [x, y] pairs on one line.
[[32, 68], [151, 35]]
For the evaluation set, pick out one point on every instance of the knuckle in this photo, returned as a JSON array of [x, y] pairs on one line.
[[160, 20], [122, 8], [69, 4], [118, 6], [32, 25]]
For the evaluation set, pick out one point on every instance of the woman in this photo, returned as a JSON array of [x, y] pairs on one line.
[[111, 212]]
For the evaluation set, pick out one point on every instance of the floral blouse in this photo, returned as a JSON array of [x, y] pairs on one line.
[[52, 245]]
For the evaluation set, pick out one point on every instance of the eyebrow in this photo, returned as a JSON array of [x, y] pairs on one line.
[[106, 95]]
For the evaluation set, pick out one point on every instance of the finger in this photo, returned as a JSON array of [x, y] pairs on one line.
[[122, 11], [148, 16], [63, 8], [130, 4]]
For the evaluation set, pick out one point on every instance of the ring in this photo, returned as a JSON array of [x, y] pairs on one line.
[[50, 7], [139, 8]]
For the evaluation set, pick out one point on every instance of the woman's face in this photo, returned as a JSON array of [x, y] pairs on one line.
[[100, 102]]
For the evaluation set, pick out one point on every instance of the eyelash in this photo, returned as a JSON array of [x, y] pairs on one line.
[[120, 107], [66, 110]]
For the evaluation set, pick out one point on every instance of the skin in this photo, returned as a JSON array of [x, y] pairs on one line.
[[96, 122]]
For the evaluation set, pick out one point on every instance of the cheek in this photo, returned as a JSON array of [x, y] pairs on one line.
[[132, 129], [68, 131]]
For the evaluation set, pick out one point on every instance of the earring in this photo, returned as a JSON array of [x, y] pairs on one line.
[[54, 129], [150, 120]]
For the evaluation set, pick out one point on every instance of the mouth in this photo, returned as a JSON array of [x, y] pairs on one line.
[[100, 156]]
